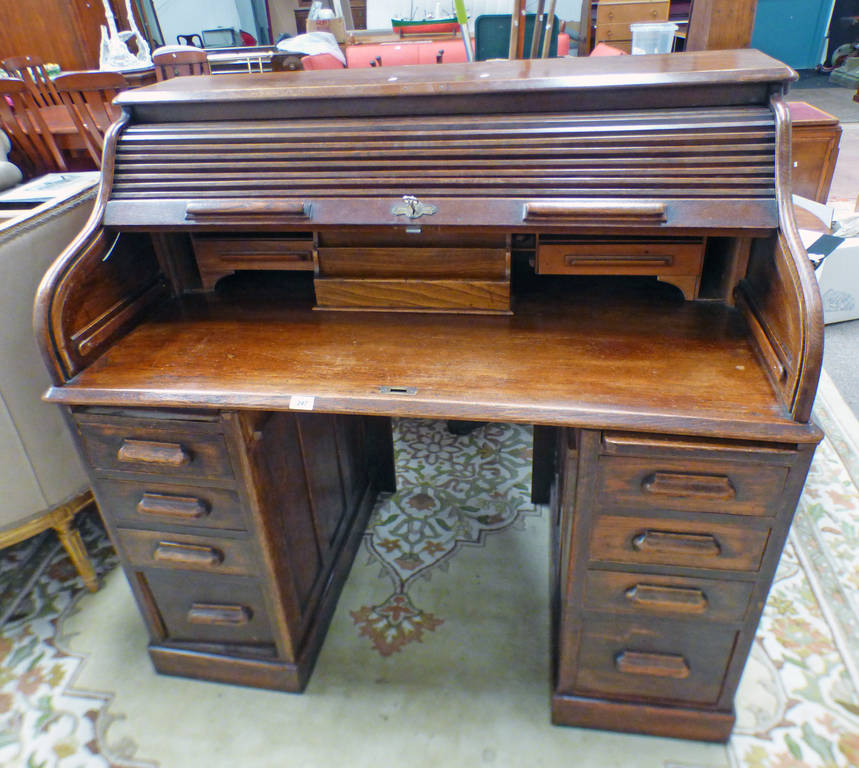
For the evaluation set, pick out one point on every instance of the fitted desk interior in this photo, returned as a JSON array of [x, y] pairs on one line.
[[278, 265]]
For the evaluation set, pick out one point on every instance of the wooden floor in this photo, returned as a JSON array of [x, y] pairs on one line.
[[602, 353]]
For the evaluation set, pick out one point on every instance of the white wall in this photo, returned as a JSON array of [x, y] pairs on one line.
[[246, 16], [380, 12], [186, 17]]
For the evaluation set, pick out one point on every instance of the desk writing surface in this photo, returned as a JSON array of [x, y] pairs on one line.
[[585, 356]]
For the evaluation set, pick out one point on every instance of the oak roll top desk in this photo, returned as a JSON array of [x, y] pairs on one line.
[[277, 265]]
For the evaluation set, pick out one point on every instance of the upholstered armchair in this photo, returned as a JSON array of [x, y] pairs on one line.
[[42, 483], [10, 175]]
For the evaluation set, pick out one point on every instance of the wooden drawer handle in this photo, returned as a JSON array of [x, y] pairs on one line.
[[210, 613], [149, 452], [624, 260], [683, 484], [665, 542], [198, 209], [183, 507], [187, 554], [677, 599], [598, 211], [652, 664]]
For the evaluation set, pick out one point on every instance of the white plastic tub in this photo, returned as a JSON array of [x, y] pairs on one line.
[[653, 37]]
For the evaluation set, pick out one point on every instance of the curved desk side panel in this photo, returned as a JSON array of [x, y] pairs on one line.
[[780, 296], [97, 288]]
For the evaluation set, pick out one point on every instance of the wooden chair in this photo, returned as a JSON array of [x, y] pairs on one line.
[[33, 143], [176, 63], [88, 96], [31, 69]]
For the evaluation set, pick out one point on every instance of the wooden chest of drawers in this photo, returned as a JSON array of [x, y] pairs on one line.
[[613, 17], [665, 551], [204, 554]]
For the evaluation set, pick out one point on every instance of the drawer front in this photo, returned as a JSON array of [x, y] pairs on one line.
[[620, 258], [197, 607], [212, 554], [172, 449], [690, 485], [427, 263], [622, 45], [627, 13], [477, 296], [661, 660], [663, 541], [253, 253], [153, 504], [677, 597], [610, 32]]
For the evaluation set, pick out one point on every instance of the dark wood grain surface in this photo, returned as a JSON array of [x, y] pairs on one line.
[[700, 69]]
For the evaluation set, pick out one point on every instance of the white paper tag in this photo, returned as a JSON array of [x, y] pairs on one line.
[[301, 402]]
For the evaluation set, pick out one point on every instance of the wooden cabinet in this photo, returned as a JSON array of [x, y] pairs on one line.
[[603, 249], [232, 529], [610, 20], [814, 150]]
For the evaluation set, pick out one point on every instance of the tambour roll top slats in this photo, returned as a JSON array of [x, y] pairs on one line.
[[691, 153]]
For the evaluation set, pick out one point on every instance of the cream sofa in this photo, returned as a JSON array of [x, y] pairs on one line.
[[42, 481]]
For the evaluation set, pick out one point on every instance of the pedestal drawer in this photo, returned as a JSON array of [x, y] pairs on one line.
[[680, 662], [212, 554], [172, 448], [666, 541], [678, 597], [690, 484], [154, 504], [199, 607]]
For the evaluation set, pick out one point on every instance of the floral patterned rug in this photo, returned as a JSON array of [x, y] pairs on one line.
[[438, 651]]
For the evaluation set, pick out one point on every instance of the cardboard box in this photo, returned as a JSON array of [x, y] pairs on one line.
[[336, 26], [832, 243]]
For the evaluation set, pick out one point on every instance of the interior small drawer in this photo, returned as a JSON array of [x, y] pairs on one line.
[[677, 597], [153, 504], [411, 295], [613, 13], [428, 263], [685, 543], [221, 256], [168, 448], [656, 659], [161, 549], [620, 257], [196, 607]]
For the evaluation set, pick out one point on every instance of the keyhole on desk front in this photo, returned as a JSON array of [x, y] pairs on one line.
[[397, 390]]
